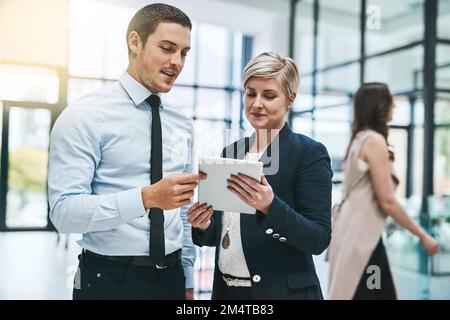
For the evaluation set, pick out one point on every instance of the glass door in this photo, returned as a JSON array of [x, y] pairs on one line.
[[24, 154]]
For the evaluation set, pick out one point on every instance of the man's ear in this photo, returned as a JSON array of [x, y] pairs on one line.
[[134, 43]]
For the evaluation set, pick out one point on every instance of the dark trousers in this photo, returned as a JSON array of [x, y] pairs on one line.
[[387, 288], [99, 279]]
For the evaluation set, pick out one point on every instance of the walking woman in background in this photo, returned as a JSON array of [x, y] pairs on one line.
[[368, 198]]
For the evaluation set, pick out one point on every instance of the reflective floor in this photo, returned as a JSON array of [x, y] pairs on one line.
[[34, 265]]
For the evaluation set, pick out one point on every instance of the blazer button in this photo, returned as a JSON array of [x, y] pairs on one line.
[[256, 278], [282, 239], [269, 231], [275, 235]]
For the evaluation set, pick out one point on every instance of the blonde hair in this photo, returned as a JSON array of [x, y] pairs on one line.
[[271, 64]]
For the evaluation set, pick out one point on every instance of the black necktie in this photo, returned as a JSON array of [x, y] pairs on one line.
[[156, 215]]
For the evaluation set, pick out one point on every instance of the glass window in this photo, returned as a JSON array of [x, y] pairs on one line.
[[443, 19], [211, 104], [442, 111], [237, 59], [1, 126], [80, 87], [302, 124], [304, 35], [402, 111], [20, 83], [236, 110], [213, 60], [336, 113], [418, 161], [339, 37], [418, 148], [335, 136], [188, 74], [28, 159], [400, 70], [404, 251], [391, 24], [97, 41], [344, 80], [303, 102], [209, 137], [181, 98], [398, 142], [330, 99], [442, 66], [442, 161], [204, 272], [304, 97], [418, 112]]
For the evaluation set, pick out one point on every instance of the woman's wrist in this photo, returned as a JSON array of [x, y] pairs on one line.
[[266, 209], [421, 235]]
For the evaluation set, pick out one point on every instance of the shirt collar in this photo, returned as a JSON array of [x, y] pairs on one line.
[[136, 91]]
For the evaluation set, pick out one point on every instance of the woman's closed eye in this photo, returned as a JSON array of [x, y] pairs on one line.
[[249, 94]]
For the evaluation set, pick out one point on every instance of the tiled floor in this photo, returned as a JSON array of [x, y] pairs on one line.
[[34, 266]]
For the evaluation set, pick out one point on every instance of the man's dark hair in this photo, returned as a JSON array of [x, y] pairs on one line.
[[147, 19]]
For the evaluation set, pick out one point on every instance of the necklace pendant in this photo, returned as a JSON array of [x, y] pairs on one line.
[[226, 241]]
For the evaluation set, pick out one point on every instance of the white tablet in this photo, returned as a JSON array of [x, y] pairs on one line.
[[214, 190]]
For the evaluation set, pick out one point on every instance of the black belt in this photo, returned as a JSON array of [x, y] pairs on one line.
[[233, 277], [141, 261]]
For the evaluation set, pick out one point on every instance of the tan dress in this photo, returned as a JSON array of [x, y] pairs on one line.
[[357, 226]]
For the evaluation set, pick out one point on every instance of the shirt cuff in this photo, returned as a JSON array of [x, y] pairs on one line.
[[129, 204], [189, 274]]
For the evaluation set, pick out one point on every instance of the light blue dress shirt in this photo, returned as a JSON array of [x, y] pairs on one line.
[[99, 162]]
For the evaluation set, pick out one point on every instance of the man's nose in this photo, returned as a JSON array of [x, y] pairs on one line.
[[176, 60]]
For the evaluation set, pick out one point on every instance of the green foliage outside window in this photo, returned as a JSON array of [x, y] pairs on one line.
[[27, 171]]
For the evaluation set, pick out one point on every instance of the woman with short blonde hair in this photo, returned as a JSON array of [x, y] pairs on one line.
[[268, 255]]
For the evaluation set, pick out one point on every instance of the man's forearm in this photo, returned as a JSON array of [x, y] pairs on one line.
[[81, 213]]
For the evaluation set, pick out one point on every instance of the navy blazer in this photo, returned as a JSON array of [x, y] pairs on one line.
[[278, 247]]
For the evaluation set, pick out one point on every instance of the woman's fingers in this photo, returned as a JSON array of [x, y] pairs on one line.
[[264, 180], [195, 212], [193, 207], [249, 181], [240, 196], [204, 218], [200, 215], [250, 185], [242, 188]]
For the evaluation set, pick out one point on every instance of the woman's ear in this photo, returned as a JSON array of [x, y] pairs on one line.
[[292, 99], [293, 96]]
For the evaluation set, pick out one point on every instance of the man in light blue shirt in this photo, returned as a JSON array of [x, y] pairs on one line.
[[100, 166]]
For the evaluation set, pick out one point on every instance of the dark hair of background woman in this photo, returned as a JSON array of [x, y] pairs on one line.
[[371, 105]]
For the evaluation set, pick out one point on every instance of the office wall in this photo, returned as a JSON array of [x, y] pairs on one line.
[[34, 31]]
